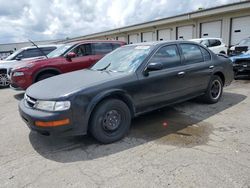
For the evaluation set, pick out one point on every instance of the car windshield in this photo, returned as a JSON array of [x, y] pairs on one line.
[[124, 59], [10, 57], [59, 51], [245, 42]]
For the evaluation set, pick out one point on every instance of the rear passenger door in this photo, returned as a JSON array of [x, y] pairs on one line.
[[198, 67]]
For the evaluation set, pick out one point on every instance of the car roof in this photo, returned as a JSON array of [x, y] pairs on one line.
[[157, 43], [93, 41], [209, 38], [41, 46]]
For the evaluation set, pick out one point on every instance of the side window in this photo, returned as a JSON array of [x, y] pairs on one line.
[[102, 48], [168, 56], [206, 54], [214, 43], [29, 53], [48, 50], [82, 50], [205, 43], [191, 53]]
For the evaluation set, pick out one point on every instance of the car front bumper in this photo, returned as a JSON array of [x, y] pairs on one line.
[[242, 69], [20, 82], [30, 116]]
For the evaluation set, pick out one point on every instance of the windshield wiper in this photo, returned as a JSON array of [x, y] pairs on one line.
[[104, 68]]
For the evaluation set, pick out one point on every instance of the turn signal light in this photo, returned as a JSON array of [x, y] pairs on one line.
[[52, 123]]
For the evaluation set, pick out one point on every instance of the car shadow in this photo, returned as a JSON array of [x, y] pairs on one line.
[[182, 125], [242, 77], [19, 96]]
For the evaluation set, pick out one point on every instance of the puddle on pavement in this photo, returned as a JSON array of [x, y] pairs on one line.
[[181, 130]]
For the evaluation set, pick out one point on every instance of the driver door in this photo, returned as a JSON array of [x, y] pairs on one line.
[[163, 85], [84, 58]]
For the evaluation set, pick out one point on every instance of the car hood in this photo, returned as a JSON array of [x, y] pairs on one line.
[[8, 64], [16, 64], [241, 56], [62, 86]]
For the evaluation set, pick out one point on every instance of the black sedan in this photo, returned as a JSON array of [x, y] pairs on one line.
[[131, 80]]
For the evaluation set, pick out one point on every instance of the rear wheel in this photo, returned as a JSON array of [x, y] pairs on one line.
[[110, 121], [214, 90], [44, 76]]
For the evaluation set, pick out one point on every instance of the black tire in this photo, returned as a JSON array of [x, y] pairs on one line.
[[214, 90], [222, 52], [44, 76], [110, 121]]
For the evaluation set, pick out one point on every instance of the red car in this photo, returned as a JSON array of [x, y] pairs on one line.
[[68, 57]]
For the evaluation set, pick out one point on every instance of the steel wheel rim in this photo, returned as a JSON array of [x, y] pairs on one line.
[[215, 89], [111, 121], [4, 80]]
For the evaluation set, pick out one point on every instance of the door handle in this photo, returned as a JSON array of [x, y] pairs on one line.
[[211, 67], [181, 74]]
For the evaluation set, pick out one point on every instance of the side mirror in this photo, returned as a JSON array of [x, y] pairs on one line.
[[19, 57], [71, 55], [153, 67]]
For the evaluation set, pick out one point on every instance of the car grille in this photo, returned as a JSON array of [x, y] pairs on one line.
[[30, 102], [3, 71], [243, 62]]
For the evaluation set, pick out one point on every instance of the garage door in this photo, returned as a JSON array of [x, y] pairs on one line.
[[147, 37], [240, 29], [133, 39], [164, 34], [211, 29], [185, 32]]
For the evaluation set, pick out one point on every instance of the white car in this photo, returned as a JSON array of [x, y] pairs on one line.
[[24, 54], [214, 44]]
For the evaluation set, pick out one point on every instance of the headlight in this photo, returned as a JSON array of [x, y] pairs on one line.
[[18, 73], [52, 105]]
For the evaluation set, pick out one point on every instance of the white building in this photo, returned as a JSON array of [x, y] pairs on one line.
[[230, 22]]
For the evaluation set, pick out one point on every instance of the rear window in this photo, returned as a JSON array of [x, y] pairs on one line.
[[102, 48], [191, 53], [214, 43]]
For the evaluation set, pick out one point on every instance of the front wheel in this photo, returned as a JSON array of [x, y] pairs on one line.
[[110, 121], [4, 80], [214, 90]]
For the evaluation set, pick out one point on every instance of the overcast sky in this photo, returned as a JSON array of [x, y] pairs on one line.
[[57, 19]]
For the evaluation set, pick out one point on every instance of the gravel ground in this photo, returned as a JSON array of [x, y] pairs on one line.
[[201, 146]]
